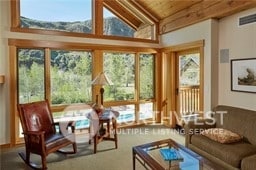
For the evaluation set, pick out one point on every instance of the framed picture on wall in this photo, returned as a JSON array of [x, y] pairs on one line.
[[243, 75]]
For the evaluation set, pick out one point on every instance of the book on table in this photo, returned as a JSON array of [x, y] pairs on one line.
[[171, 154]]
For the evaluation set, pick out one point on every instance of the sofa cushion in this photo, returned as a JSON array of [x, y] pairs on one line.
[[232, 153], [249, 163], [238, 120], [222, 135]]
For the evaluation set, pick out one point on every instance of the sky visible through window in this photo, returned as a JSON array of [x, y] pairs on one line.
[[58, 10]]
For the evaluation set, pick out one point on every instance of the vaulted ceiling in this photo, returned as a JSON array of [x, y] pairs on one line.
[[174, 14]]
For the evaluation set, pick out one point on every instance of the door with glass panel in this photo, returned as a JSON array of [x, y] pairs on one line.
[[188, 87]]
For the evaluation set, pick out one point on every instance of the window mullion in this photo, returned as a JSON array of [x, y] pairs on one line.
[[137, 86], [47, 74], [98, 17]]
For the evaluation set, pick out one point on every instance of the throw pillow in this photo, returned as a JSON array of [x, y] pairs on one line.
[[222, 135]]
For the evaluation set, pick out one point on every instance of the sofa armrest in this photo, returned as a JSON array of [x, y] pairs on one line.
[[195, 127], [249, 162]]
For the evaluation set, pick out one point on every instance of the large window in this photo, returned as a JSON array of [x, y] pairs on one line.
[[63, 74], [120, 67], [64, 15], [31, 64], [71, 74], [83, 18], [147, 71]]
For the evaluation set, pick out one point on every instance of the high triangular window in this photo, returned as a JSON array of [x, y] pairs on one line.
[[115, 26]]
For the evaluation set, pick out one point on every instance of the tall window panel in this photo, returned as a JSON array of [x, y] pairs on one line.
[[115, 26], [60, 15], [120, 68], [71, 75], [147, 71], [31, 64]]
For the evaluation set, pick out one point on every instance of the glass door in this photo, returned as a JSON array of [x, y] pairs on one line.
[[188, 86]]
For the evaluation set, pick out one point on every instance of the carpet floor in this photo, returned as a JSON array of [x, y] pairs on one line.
[[106, 158]]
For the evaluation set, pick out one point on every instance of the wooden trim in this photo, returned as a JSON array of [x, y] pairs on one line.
[[47, 78], [201, 90], [97, 69], [15, 13], [185, 46], [158, 85], [137, 86], [98, 16], [172, 90], [77, 46], [81, 35], [2, 79], [14, 118]]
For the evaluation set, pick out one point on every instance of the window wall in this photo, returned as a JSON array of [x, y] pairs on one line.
[[63, 75], [81, 18]]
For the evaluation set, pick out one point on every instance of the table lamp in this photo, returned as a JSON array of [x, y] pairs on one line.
[[102, 79]]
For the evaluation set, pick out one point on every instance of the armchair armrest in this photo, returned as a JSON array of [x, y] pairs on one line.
[[195, 127], [34, 137]]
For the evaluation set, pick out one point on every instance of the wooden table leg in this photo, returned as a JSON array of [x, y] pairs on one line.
[[133, 159]]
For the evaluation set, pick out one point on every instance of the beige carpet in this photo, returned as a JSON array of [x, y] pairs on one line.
[[107, 157]]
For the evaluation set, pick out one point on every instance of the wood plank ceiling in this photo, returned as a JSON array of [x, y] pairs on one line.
[[171, 15]]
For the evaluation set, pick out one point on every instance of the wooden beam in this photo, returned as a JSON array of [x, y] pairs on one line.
[[203, 11], [98, 17]]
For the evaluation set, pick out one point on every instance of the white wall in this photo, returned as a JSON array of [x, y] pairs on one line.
[[200, 31], [241, 42], [5, 34], [4, 88]]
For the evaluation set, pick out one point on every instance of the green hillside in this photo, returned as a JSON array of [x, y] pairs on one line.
[[112, 26]]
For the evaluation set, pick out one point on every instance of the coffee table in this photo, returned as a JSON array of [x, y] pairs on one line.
[[150, 157]]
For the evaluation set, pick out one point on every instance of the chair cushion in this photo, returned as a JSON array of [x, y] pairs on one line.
[[58, 140], [222, 135], [231, 153]]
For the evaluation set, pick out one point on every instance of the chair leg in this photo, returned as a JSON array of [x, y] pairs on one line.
[[43, 158], [74, 147], [95, 143], [27, 156]]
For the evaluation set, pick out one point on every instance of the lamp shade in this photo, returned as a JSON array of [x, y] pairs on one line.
[[102, 79]]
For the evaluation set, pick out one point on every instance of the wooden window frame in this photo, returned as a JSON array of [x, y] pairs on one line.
[[169, 65], [97, 32], [97, 51]]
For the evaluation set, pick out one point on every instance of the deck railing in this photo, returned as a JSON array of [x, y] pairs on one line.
[[189, 99]]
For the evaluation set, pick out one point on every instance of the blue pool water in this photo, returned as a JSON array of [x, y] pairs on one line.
[[84, 123], [122, 118]]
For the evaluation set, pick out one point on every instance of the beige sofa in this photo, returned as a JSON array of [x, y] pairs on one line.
[[237, 155]]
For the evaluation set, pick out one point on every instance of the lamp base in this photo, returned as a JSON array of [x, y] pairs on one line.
[[101, 95]]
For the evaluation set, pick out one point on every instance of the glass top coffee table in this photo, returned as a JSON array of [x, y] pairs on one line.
[[150, 157]]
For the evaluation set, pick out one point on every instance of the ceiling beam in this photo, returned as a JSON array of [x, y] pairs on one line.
[[203, 11]]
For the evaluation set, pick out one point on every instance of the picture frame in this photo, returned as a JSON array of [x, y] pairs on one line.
[[243, 75]]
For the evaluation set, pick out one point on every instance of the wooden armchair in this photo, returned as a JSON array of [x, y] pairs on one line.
[[40, 133]]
